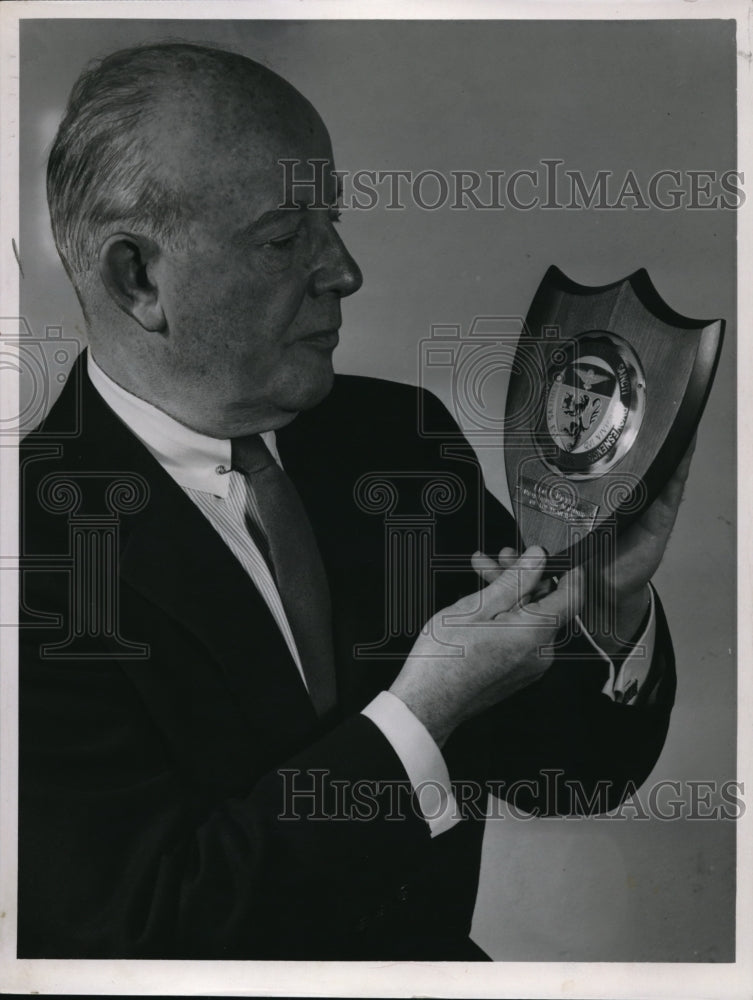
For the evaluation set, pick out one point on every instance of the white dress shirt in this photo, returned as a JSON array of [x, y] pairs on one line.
[[201, 466]]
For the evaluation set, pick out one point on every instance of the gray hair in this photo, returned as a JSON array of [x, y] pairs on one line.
[[101, 170]]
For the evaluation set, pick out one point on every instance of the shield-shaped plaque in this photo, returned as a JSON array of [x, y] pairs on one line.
[[607, 388]]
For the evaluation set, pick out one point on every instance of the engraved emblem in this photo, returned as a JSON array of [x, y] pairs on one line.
[[594, 404], [589, 379]]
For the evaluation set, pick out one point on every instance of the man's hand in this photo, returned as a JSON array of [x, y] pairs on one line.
[[486, 646], [618, 595]]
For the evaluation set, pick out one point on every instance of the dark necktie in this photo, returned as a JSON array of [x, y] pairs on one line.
[[296, 565]]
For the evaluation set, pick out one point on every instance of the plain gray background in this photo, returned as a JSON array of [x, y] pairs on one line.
[[503, 96]]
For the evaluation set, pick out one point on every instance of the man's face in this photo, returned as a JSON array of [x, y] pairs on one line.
[[253, 304]]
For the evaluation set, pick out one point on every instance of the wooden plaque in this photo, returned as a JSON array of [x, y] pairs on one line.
[[607, 388]]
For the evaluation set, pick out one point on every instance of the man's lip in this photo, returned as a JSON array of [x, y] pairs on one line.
[[323, 338]]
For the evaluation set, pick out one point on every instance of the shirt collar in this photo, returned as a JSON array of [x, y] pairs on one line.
[[195, 461]]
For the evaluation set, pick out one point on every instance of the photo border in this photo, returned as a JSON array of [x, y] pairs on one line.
[[370, 979]]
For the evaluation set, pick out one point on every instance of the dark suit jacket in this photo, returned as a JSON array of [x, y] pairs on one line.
[[162, 730]]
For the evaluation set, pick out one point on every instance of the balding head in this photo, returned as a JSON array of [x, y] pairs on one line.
[[207, 290], [126, 152]]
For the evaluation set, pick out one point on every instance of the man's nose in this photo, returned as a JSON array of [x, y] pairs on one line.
[[336, 270]]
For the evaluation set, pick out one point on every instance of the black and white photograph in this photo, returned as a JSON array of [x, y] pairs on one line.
[[373, 414]]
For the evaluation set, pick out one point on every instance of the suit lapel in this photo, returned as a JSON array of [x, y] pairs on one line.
[[173, 557]]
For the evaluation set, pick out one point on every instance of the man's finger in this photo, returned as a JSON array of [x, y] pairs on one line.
[[667, 503], [566, 601], [682, 470], [545, 587], [486, 567], [690, 449], [490, 569], [507, 557], [515, 584]]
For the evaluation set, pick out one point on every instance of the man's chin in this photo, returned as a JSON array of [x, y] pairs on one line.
[[308, 391], [283, 401]]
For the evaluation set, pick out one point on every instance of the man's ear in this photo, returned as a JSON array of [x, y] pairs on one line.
[[124, 268]]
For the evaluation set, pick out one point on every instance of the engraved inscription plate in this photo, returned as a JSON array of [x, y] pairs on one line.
[[557, 500]]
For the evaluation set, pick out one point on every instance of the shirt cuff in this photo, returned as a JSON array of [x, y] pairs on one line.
[[624, 684], [421, 758]]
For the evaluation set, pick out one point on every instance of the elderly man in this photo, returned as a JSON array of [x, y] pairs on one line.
[[211, 772]]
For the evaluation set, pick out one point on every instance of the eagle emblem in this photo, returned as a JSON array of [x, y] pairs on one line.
[[589, 378]]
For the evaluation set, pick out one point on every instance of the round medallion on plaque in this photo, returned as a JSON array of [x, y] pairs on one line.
[[594, 405]]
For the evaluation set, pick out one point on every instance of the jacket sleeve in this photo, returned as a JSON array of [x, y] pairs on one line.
[[562, 747], [123, 853]]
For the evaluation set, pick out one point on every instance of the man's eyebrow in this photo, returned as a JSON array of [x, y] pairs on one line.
[[283, 214], [274, 215], [270, 218]]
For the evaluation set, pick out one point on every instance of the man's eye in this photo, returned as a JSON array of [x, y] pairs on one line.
[[278, 242]]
